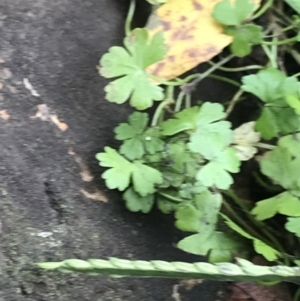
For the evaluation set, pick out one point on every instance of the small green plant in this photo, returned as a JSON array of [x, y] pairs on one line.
[[182, 159]]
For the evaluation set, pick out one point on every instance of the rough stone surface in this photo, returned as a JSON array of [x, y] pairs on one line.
[[55, 46]]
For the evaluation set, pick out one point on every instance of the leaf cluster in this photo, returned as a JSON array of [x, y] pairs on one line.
[[282, 166], [233, 16], [280, 95]]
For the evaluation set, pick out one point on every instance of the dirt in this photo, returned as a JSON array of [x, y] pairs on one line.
[[53, 120]]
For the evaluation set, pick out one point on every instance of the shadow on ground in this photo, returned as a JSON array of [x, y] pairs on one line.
[[55, 45]]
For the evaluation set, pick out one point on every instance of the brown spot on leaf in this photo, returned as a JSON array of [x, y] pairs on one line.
[[166, 25], [171, 58], [183, 18], [193, 52], [158, 67], [183, 33], [211, 50], [197, 5]]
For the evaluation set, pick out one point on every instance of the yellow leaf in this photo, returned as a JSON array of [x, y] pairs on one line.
[[191, 34]]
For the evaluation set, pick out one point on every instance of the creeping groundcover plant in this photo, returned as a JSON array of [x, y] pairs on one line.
[[185, 156]]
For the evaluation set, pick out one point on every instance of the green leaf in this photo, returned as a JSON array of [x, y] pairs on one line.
[[210, 139], [179, 155], [145, 178], [210, 112], [212, 135], [216, 172], [152, 142], [137, 123], [266, 84], [259, 246], [244, 37], [282, 163], [275, 121], [172, 178], [228, 13], [188, 218], [272, 87], [135, 202], [131, 64], [219, 245], [293, 225], [188, 190], [200, 215], [164, 205], [132, 148], [138, 140], [283, 203], [118, 176], [293, 102], [122, 172], [184, 120]]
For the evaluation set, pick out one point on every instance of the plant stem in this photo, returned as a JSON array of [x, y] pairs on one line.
[[263, 9], [238, 201], [241, 222], [225, 79], [188, 100], [209, 71], [129, 17], [233, 102], [273, 61], [238, 69], [159, 110], [261, 182], [264, 145], [170, 197], [282, 42], [179, 101]]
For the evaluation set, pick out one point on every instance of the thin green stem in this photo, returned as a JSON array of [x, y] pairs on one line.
[[241, 222], [296, 75], [264, 145], [282, 42], [170, 197], [274, 48], [269, 54], [263, 9], [237, 200], [261, 182], [188, 100], [233, 102], [225, 79], [280, 33], [238, 69], [129, 17], [179, 101], [262, 227], [159, 110], [211, 70]]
